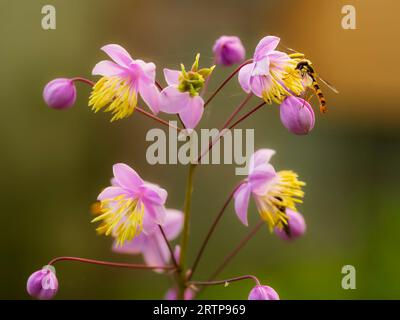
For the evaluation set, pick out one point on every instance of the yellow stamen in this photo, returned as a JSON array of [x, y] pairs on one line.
[[117, 93], [283, 193], [283, 83], [120, 217]]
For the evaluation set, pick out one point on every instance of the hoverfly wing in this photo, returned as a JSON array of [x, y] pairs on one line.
[[328, 85]]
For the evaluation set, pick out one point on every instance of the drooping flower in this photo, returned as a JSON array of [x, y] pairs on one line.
[[228, 50], [295, 228], [130, 206], [152, 245], [273, 192], [123, 79], [260, 292], [182, 95], [297, 115], [60, 93], [172, 294], [272, 75], [43, 284]]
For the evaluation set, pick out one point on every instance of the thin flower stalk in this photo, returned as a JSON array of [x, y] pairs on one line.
[[237, 249], [109, 264], [173, 258], [225, 282], [140, 110], [186, 227], [211, 231], [226, 81]]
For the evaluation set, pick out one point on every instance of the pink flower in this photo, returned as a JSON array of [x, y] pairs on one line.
[[152, 245], [130, 205], [296, 226], [297, 115], [228, 50], [272, 75], [272, 191], [60, 93], [123, 79], [263, 293], [182, 95], [43, 284]]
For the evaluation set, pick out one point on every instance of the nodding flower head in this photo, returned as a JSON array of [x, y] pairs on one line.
[[260, 292], [182, 95], [295, 228], [43, 284], [123, 79], [297, 115], [272, 75], [228, 50], [273, 192], [60, 93], [130, 206]]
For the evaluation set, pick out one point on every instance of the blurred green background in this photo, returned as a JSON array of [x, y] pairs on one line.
[[54, 163]]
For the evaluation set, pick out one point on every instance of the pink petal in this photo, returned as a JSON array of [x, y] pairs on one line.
[[244, 77], [156, 215], [258, 84], [149, 69], [173, 101], [110, 193], [192, 114], [278, 59], [114, 182], [260, 171], [153, 193], [261, 178], [173, 223], [126, 177], [118, 54], [156, 252], [150, 95], [107, 68], [260, 157], [265, 46], [171, 76], [133, 246], [242, 197], [149, 224], [261, 67]]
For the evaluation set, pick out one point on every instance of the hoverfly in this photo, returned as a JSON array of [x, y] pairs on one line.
[[310, 77]]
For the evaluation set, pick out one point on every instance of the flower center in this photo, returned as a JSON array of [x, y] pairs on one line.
[[193, 81], [118, 93], [282, 82], [121, 217], [284, 193]]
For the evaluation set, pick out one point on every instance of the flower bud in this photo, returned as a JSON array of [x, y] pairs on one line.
[[43, 284], [228, 50], [297, 115], [296, 226], [263, 293], [60, 93]]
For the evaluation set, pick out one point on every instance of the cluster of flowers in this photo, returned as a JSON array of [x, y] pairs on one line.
[[133, 211]]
